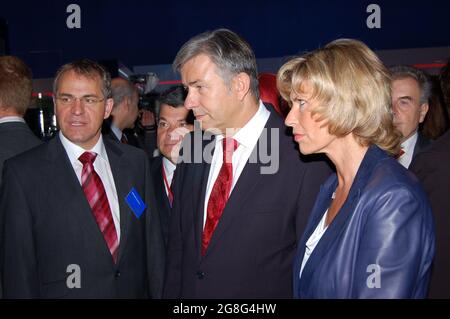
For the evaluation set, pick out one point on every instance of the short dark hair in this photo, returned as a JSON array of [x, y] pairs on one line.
[[87, 68], [15, 84], [229, 52], [174, 96]]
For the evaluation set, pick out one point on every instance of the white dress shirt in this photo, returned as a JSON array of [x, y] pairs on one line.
[[247, 137], [408, 147], [9, 119], [313, 240], [103, 169], [169, 169]]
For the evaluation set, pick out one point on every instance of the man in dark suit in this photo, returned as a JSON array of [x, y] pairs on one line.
[[174, 121], [411, 90], [241, 192], [78, 216], [119, 126], [15, 94], [432, 168]]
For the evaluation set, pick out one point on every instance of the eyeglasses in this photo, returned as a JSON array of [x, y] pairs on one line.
[[85, 100]]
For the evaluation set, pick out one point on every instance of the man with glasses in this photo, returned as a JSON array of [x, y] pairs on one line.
[[78, 212]]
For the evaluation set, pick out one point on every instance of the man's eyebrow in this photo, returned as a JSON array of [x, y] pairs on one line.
[[71, 95], [406, 97], [193, 82]]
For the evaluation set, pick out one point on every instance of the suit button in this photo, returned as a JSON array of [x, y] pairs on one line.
[[117, 274], [200, 274]]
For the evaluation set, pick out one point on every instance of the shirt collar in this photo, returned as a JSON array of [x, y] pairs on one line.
[[169, 167], [8, 119], [409, 144], [74, 151], [117, 132], [249, 134]]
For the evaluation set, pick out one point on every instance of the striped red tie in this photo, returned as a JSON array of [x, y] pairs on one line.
[[220, 192], [96, 196]]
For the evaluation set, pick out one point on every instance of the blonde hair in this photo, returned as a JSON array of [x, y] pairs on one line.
[[354, 88]]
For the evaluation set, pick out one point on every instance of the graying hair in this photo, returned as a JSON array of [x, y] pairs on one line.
[[89, 69], [122, 90], [227, 50], [405, 71]]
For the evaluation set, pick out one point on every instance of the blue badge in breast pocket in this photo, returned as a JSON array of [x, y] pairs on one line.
[[135, 202]]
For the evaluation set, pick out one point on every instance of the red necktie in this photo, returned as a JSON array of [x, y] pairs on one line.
[[400, 154], [124, 139], [169, 189], [96, 196], [220, 192]]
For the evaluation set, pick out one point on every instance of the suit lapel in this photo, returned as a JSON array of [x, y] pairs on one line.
[[67, 192], [331, 234], [160, 188], [123, 184], [370, 160], [200, 174], [248, 180], [421, 144]]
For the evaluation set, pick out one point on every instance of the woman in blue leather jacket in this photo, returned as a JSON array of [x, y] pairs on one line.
[[370, 233]]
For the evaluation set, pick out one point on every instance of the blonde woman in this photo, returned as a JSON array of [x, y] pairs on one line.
[[370, 233]]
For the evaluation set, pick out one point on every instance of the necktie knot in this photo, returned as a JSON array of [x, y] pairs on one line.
[[400, 154], [229, 146], [87, 158]]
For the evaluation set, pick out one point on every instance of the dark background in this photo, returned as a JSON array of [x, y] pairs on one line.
[[138, 32]]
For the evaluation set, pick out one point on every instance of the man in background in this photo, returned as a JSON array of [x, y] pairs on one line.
[[174, 121], [411, 91], [15, 95], [119, 126]]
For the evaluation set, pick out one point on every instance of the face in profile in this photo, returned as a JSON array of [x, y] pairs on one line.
[[80, 108], [408, 111], [214, 103], [172, 126], [133, 109], [311, 134]]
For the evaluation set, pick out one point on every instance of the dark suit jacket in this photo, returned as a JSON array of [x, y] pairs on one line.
[[251, 252], [422, 143], [162, 201], [432, 167], [385, 228], [48, 225], [108, 133], [15, 138]]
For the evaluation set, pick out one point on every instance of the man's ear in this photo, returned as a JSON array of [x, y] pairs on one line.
[[423, 111], [108, 107], [127, 103], [241, 85]]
